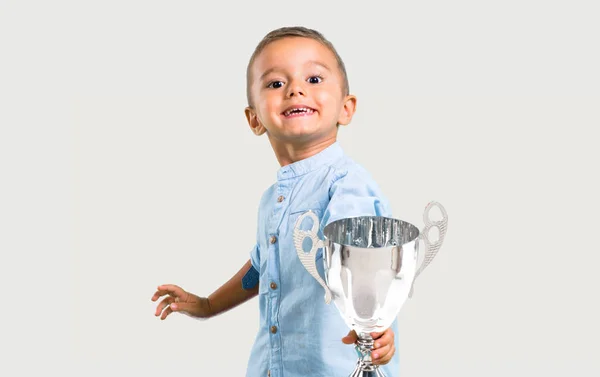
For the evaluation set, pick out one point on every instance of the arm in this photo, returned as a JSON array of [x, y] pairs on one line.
[[231, 294], [228, 296]]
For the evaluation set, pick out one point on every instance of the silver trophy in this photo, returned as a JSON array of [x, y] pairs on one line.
[[370, 265]]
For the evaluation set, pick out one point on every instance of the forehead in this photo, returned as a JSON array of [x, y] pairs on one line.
[[293, 52]]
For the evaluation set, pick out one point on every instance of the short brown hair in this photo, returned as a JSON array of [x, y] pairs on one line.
[[294, 31]]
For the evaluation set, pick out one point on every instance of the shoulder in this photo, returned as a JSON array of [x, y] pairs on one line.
[[267, 194], [348, 173], [354, 192], [266, 200]]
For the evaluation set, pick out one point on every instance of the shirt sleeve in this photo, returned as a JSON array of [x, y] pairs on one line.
[[353, 194], [255, 257], [250, 279]]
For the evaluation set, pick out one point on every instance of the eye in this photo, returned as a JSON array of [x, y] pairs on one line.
[[315, 79], [275, 84]]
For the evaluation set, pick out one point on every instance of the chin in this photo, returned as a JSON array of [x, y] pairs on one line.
[[300, 128]]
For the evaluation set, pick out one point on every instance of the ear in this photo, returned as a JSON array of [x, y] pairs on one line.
[[347, 110], [253, 121]]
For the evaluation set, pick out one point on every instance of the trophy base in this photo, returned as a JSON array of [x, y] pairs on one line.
[[364, 366], [364, 370]]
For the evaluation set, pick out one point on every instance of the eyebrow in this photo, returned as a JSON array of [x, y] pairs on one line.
[[310, 62]]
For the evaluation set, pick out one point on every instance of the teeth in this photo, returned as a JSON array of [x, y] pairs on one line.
[[298, 110]]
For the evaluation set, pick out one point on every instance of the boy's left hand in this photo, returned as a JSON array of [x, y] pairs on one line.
[[383, 349]]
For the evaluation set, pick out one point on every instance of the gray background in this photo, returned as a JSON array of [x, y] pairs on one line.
[[127, 163]]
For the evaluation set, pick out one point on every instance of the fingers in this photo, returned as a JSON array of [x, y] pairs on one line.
[[351, 338], [384, 347], [166, 303], [384, 354], [166, 312], [168, 289], [377, 335], [165, 307]]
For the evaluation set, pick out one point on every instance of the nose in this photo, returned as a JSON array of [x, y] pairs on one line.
[[296, 88]]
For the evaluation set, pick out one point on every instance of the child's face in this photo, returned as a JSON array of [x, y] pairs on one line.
[[302, 74]]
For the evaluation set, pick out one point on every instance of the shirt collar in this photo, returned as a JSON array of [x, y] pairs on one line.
[[298, 168]]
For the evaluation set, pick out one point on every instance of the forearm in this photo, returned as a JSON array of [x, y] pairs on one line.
[[231, 294]]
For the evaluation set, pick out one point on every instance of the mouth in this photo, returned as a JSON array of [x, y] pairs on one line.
[[298, 111]]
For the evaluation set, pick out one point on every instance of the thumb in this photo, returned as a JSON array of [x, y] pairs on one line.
[[190, 309], [351, 338], [180, 307]]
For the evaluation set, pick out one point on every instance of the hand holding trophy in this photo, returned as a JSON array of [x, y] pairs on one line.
[[370, 265]]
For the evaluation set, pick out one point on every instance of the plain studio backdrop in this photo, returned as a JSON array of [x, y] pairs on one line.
[[128, 163]]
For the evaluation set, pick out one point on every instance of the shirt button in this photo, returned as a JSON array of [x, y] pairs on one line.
[[280, 199], [273, 285], [273, 329], [273, 239]]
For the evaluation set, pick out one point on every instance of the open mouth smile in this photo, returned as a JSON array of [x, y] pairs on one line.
[[298, 111]]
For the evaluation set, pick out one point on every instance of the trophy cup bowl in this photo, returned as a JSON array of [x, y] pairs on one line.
[[370, 264]]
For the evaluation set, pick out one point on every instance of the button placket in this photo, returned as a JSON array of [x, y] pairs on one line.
[[280, 204]]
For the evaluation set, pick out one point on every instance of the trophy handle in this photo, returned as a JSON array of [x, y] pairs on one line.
[[431, 249], [308, 259]]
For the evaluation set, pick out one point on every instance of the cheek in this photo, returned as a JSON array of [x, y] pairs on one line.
[[268, 104], [329, 103], [272, 102], [326, 100]]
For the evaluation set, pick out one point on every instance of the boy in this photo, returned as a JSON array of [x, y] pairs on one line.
[[298, 95]]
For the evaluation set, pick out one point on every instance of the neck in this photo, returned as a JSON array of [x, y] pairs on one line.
[[288, 153]]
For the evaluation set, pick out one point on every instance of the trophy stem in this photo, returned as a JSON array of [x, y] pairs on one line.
[[364, 365]]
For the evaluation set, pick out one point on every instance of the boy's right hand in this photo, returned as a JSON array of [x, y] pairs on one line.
[[178, 300]]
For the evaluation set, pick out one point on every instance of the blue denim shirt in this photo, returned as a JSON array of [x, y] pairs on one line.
[[299, 334]]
